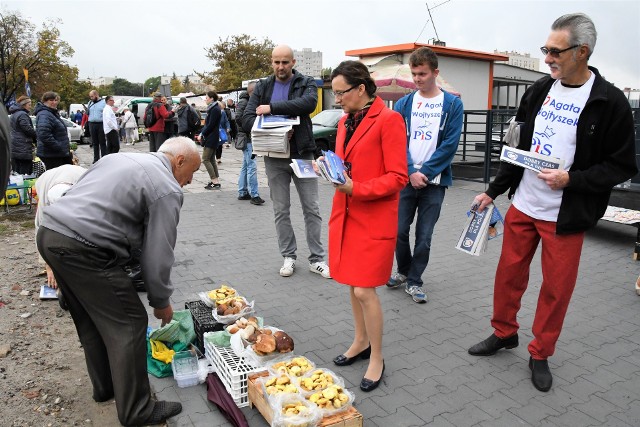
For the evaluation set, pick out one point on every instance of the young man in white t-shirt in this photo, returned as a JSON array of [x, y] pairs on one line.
[[433, 120], [579, 117]]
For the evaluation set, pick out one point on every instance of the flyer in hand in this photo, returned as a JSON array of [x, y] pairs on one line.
[[530, 160], [303, 168], [47, 292], [331, 167], [474, 237]]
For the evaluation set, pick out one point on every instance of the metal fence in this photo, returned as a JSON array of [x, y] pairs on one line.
[[478, 153]]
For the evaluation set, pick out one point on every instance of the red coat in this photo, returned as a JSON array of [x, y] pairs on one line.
[[363, 227], [161, 113]]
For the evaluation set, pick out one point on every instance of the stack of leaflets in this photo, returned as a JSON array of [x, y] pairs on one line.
[[529, 159], [270, 133], [479, 229], [331, 167]]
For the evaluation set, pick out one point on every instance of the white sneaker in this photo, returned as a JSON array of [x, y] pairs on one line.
[[321, 268], [288, 267]]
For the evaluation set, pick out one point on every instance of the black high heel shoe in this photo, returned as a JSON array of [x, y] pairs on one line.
[[343, 360], [368, 385]]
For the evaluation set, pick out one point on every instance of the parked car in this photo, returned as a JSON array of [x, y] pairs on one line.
[[325, 128], [74, 131]]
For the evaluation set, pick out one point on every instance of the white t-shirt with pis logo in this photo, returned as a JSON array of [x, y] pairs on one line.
[[554, 135]]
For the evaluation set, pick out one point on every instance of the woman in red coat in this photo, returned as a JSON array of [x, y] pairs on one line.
[[364, 218]]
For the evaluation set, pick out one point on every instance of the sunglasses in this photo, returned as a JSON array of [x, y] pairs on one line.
[[555, 53]]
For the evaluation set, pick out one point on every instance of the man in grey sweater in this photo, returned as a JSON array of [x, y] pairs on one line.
[[87, 237]]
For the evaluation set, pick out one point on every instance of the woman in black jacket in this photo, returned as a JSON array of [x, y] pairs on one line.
[[23, 135], [53, 140]]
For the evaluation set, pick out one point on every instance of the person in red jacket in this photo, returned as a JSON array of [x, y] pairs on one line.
[[364, 218], [156, 132]]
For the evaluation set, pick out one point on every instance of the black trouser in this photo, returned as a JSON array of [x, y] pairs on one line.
[[110, 319], [188, 133], [219, 151], [98, 140], [22, 166], [156, 139], [113, 142], [54, 162]]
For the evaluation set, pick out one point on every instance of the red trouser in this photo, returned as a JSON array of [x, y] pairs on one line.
[[560, 261]]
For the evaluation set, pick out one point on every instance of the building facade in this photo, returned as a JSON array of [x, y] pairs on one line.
[[308, 62], [522, 60]]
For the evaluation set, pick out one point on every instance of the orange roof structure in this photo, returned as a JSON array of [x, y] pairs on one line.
[[439, 50]]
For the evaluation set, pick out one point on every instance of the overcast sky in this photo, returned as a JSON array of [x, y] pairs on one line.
[[110, 37]]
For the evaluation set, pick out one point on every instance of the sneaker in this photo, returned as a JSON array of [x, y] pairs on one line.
[[288, 267], [244, 197], [256, 200], [417, 294], [211, 186], [397, 280], [321, 268], [127, 144]]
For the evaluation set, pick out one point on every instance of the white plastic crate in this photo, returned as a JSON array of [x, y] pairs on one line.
[[232, 370]]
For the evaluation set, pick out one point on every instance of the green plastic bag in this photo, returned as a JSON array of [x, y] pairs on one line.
[[160, 369], [177, 335], [180, 329]]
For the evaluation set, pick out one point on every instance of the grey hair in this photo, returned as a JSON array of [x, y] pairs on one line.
[[179, 145], [581, 29]]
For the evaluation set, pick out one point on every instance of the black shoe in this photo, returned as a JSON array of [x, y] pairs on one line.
[[368, 385], [245, 197], [343, 360], [62, 301], [540, 374], [212, 186], [492, 344], [163, 410], [256, 200]]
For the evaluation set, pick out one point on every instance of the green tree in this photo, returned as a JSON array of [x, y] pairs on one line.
[[238, 58], [186, 84], [176, 85], [126, 88], [41, 52], [151, 85], [326, 73]]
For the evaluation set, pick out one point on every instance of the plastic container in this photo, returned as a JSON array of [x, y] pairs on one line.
[[203, 321], [232, 370], [185, 369]]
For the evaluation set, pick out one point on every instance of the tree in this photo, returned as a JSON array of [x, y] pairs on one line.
[[186, 84], [240, 58], [326, 73], [176, 86], [125, 87], [152, 84], [41, 52]]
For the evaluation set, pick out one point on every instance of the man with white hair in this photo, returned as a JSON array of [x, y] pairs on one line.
[[88, 236], [574, 115]]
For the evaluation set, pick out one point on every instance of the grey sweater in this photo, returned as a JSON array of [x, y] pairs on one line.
[[126, 201]]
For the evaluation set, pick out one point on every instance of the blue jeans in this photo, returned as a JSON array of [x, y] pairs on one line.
[[248, 179], [427, 201]]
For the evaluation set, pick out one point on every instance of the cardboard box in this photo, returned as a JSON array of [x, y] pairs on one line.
[[349, 418]]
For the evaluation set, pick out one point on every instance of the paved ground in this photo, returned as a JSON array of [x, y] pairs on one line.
[[430, 379]]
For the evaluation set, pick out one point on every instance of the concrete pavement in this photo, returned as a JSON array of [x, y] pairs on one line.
[[430, 378]]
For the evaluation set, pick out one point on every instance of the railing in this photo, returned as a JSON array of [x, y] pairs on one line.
[[478, 153]]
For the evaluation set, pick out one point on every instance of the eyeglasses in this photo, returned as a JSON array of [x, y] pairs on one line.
[[556, 52], [340, 93]]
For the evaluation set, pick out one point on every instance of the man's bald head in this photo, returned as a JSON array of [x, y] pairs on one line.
[[282, 62]]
